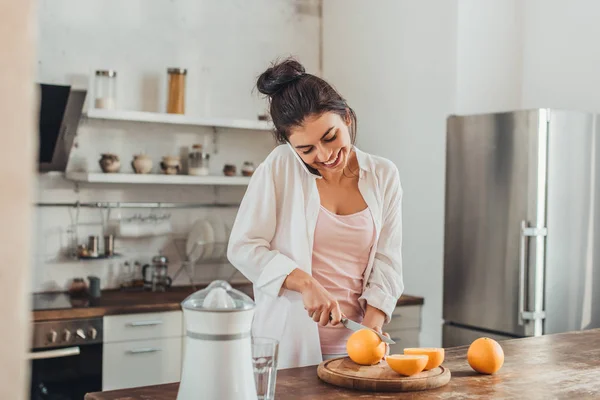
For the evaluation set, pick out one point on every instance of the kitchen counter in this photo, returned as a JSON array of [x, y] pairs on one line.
[[115, 302], [560, 366]]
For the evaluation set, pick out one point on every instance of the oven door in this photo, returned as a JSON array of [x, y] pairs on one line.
[[66, 373]]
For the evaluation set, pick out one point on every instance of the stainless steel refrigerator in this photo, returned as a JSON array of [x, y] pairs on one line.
[[522, 225]]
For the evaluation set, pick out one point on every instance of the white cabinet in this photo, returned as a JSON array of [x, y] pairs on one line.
[[120, 328], [142, 349], [404, 328]]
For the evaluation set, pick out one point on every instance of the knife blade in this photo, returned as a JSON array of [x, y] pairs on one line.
[[355, 326]]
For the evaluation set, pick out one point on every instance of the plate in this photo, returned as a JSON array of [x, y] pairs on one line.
[[207, 239], [220, 235], [194, 246]]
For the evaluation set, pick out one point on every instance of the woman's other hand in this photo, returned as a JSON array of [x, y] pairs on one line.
[[318, 302], [321, 305]]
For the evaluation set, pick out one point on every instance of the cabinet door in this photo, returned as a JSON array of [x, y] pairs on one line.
[[404, 328], [405, 317], [404, 338], [141, 363], [119, 328]]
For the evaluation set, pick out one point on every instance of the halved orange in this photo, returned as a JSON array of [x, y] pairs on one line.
[[435, 354], [407, 364]]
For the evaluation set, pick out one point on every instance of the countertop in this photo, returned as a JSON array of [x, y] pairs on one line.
[[559, 366], [114, 302]]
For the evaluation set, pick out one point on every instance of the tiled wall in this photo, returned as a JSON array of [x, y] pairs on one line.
[[225, 45]]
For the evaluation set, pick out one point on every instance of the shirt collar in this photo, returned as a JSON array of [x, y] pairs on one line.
[[362, 158]]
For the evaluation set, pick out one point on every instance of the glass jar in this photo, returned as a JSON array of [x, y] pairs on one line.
[[106, 89], [248, 168], [198, 161], [176, 102]]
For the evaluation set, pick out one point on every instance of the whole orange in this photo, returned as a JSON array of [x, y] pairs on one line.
[[485, 355], [365, 348]]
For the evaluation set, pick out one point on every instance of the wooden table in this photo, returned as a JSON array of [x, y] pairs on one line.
[[561, 366]]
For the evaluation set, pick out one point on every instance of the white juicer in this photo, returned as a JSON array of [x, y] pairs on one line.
[[217, 361]]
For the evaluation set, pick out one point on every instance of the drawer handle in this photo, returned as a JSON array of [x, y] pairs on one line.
[[144, 350], [145, 323]]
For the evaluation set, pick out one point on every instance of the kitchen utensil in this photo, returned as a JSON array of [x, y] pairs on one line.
[[344, 372], [217, 360], [94, 288], [156, 276], [355, 326], [176, 95], [109, 245], [93, 246], [229, 170], [78, 288], [109, 163], [264, 360], [170, 165], [248, 168], [198, 163], [141, 164], [105, 95]]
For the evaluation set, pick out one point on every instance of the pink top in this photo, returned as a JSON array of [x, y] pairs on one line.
[[340, 255]]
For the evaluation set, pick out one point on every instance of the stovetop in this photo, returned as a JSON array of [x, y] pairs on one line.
[[59, 301], [51, 301]]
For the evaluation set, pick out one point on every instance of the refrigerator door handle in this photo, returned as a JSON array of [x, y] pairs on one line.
[[522, 267], [526, 232]]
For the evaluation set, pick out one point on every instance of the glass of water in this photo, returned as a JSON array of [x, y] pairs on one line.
[[264, 361]]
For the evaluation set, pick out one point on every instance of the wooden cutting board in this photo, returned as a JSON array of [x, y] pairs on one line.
[[346, 373]]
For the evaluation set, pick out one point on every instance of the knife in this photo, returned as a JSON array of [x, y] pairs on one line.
[[355, 326]]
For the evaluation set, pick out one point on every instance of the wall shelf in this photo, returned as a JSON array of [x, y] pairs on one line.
[[175, 119], [157, 179]]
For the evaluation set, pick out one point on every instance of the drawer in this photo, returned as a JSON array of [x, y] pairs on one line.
[[141, 363], [404, 338], [405, 317], [118, 328]]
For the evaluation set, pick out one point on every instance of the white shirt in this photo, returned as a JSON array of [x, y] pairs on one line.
[[273, 234]]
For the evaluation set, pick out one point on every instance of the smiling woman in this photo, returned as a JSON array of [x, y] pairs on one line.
[[319, 231]]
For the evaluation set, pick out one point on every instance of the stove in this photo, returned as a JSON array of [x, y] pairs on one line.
[[66, 355]]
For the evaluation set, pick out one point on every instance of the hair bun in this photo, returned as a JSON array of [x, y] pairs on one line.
[[279, 75]]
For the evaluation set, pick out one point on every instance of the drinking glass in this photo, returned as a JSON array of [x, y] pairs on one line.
[[264, 361]]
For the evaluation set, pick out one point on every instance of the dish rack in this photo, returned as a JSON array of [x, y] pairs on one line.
[[215, 248]]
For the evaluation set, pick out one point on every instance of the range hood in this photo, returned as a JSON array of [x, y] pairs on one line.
[[60, 111]]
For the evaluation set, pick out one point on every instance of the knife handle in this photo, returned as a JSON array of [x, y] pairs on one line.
[[341, 319]]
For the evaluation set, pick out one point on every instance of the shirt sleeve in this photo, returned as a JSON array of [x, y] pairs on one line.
[[385, 284], [249, 248]]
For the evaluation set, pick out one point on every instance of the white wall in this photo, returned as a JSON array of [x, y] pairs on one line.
[[527, 54], [561, 61], [224, 45], [489, 56], [396, 65]]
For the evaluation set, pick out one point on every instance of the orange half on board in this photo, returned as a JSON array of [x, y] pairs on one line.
[[407, 365], [435, 354]]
